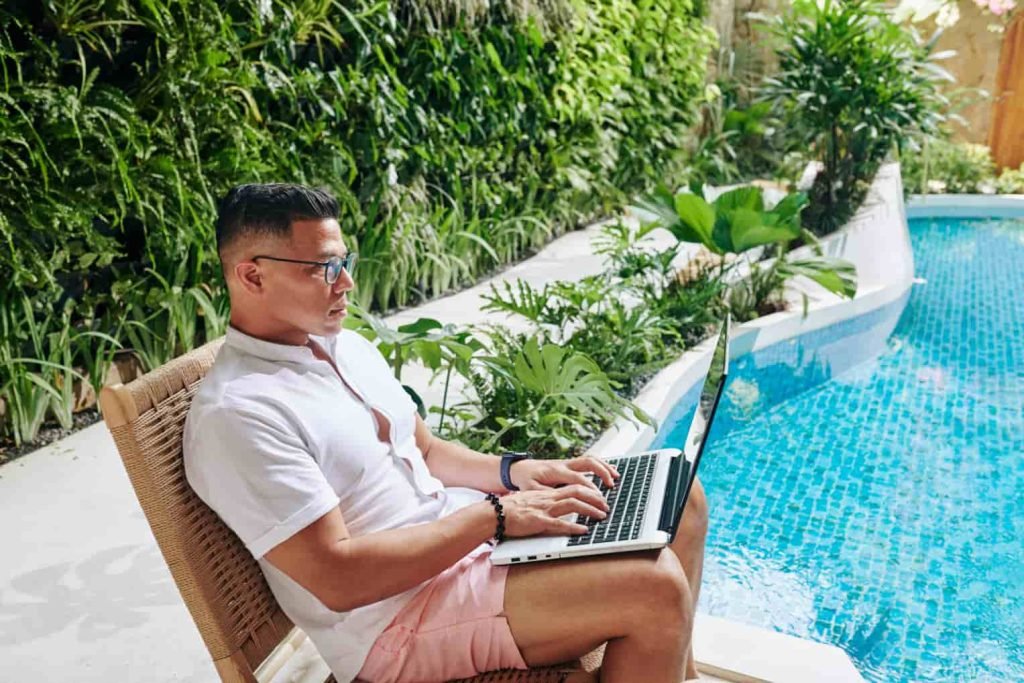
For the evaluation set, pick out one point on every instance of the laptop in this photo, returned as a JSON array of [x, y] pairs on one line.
[[646, 503]]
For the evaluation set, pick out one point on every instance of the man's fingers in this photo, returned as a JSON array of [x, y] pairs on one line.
[[597, 466], [561, 527], [584, 493], [578, 506], [585, 481]]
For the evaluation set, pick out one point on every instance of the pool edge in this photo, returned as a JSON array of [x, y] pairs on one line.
[[877, 240]]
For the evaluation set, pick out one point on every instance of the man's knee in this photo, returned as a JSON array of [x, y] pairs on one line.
[[695, 513], [668, 589]]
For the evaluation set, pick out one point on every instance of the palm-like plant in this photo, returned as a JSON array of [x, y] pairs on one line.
[[553, 398], [862, 86]]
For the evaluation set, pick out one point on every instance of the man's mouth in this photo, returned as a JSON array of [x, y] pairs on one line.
[[339, 309]]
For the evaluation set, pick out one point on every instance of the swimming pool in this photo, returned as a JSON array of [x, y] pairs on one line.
[[867, 489]]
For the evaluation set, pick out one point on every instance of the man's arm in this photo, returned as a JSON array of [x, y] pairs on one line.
[[456, 465], [345, 572]]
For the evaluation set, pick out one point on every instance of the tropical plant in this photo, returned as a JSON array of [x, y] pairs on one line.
[[737, 222], [630, 319], [540, 397], [861, 86]]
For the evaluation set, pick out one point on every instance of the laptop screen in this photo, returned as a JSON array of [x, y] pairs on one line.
[[710, 394], [713, 383]]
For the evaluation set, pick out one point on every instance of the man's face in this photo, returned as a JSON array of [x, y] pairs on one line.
[[296, 295]]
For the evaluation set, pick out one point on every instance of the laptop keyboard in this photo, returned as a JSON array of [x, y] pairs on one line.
[[626, 502]]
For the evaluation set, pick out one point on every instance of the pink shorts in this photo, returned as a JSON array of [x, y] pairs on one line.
[[454, 628]]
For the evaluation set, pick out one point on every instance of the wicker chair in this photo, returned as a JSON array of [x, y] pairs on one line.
[[246, 632]]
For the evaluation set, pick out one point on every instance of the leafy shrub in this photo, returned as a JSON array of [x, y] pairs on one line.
[[944, 166], [860, 86], [538, 396], [1011, 181]]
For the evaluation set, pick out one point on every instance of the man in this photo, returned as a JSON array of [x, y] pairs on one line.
[[371, 531]]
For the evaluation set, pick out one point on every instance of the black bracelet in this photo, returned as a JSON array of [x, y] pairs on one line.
[[499, 534]]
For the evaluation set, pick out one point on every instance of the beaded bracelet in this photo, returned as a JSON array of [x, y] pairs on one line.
[[499, 535]]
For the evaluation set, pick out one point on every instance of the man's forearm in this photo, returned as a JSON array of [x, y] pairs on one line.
[[383, 564], [456, 465]]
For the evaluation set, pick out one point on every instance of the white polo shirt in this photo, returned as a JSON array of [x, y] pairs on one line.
[[274, 440]]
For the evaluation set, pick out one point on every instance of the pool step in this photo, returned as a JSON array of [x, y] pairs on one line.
[[731, 651]]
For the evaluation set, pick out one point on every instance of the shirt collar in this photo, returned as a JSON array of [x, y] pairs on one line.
[[272, 351]]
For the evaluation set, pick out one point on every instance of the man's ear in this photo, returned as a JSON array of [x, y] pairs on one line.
[[249, 276]]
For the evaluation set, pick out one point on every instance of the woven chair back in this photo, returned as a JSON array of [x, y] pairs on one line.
[[223, 587]]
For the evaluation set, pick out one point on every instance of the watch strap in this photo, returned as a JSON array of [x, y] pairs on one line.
[[507, 459]]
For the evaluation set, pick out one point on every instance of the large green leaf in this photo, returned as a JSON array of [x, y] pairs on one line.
[[420, 326], [746, 197], [749, 230], [696, 220], [788, 209], [562, 377], [835, 275]]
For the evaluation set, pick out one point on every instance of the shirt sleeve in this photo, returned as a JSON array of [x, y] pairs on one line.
[[257, 475]]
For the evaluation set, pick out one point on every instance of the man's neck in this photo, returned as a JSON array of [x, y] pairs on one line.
[[288, 338]]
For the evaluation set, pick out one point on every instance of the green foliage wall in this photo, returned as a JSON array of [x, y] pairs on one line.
[[457, 135], [123, 121]]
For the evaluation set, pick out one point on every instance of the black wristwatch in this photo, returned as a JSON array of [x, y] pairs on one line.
[[507, 458]]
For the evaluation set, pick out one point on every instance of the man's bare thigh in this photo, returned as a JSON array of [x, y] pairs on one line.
[[562, 609]]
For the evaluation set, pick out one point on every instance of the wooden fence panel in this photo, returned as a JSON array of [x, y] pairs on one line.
[[1006, 136]]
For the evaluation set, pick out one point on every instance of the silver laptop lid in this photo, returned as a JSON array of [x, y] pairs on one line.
[[710, 393], [697, 436]]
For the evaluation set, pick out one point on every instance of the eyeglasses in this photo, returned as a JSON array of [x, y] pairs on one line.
[[332, 266]]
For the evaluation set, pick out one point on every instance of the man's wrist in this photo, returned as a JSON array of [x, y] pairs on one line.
[[511, 474], [508, 459]]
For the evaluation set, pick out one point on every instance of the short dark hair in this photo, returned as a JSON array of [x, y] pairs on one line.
[[258, 209]]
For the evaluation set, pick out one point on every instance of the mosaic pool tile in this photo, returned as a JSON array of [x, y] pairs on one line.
[[869, 491]]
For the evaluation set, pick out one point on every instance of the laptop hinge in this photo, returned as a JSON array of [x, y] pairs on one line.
[[675, 489]]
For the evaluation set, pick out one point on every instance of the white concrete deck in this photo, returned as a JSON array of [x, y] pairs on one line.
[[85, 594]]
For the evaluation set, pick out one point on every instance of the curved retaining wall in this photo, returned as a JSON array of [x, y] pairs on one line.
[[876, 241]]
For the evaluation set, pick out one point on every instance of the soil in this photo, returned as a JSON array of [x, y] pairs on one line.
[[48, 434]]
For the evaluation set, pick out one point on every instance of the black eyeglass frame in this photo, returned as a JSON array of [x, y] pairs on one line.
[[348, 262]]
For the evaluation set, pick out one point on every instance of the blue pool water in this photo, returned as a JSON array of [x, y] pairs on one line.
[[867, 488]]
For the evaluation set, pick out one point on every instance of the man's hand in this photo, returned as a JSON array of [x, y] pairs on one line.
[[530, 475], [530, 513]]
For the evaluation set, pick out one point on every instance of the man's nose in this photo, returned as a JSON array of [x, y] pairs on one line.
[[344, 282]]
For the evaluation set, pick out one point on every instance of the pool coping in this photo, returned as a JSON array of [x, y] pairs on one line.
[[877, 241], [966, 206]]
